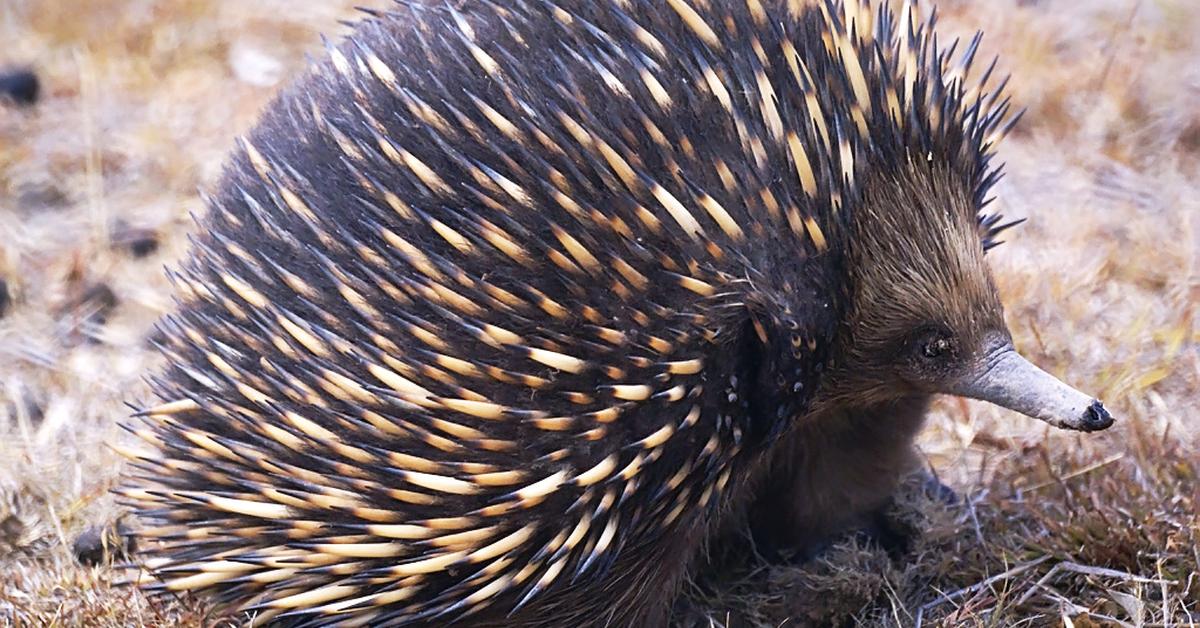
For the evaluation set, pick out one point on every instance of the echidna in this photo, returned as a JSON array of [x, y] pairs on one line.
[[505, 305]]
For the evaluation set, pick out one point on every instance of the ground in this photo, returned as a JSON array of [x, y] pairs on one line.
[[142, 98]]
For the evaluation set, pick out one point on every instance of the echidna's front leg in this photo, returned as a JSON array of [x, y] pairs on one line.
[[834, 473]]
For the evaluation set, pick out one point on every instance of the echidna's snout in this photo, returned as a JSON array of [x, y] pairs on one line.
[[1096, 417], [1009, 380]]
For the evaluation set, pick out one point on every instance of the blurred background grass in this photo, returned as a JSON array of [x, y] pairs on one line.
[[142, 98]]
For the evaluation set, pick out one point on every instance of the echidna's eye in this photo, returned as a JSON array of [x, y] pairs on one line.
[[935, 348]]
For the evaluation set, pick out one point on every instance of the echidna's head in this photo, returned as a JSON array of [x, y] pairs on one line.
[[924, 315]]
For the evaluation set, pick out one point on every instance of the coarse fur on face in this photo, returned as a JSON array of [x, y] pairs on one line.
[[922, 307]]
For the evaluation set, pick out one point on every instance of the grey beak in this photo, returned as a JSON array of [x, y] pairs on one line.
[[1011, 381]]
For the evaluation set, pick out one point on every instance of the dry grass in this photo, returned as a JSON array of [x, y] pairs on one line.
[[143, 97]]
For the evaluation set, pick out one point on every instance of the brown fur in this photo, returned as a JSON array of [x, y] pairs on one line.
[[834, 470]]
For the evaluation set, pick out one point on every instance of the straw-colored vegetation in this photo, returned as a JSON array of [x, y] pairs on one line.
[[142, 98]]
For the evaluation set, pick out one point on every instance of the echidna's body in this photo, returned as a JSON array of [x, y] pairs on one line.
[[500, 306]]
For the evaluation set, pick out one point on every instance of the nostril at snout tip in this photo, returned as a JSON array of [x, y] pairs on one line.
[[1096, 417]]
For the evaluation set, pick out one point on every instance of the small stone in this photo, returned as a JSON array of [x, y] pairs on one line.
[[87, 312], [11, 531], [1189, 137], [143, 246], [102, 543], [5, 298], [25, 404], [39, 194], [20, 87], [139, 241], [99, 301]]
